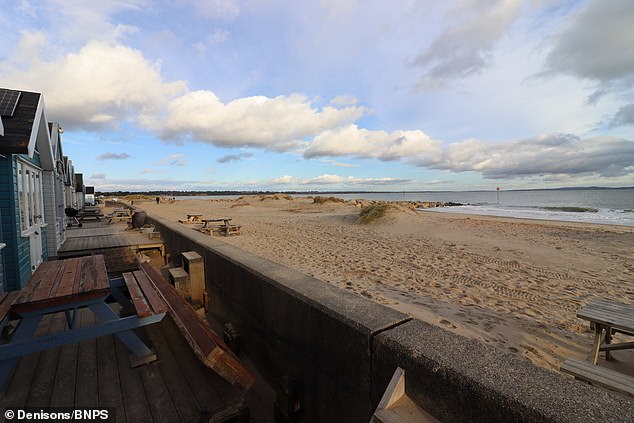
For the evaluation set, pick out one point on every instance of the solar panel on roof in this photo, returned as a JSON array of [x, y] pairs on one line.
[[8, 101]]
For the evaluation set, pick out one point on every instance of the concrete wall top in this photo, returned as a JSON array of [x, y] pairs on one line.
[[458, 379]]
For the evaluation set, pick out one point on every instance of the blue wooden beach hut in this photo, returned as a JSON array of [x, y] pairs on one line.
[[25, 157]]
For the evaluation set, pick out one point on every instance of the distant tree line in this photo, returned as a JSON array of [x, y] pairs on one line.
[[199, 193]]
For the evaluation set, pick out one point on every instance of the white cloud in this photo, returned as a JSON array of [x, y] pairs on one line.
[[624, 116], [599, 44], [464, 48], [281, 123], [218, 9], [172, 160], [88, 20], [329, 179], [344, 100], [147, 185], [101, 84], [338, 164], [360, 142], [218, 36], [112, 156], [554, 155]]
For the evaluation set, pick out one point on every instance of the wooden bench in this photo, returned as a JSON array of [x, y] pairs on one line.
[[230, 229], [599, 376], [6, 299], [146, 302], [206, 344], [144, 297]]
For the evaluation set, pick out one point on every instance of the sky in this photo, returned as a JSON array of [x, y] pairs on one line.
[[284, 95]]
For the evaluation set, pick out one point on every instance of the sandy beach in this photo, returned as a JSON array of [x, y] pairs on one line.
[[515, 284]]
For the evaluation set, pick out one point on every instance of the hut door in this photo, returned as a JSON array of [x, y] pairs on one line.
[[31, 209]]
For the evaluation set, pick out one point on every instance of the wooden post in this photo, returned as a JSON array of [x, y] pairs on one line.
[[194, 265]]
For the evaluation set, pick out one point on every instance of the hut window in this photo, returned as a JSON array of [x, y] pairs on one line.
[[29, 195]]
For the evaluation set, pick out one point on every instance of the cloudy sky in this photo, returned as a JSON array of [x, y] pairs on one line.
[[332, 94]]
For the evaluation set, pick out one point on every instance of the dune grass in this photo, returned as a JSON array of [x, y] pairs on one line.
[[322, 200], [371, 213]]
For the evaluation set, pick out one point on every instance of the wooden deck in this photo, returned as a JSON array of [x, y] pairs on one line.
[[98, 237], [115, 242], [97, 373]]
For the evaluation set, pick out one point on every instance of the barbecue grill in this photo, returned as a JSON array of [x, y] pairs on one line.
[[71, 213]]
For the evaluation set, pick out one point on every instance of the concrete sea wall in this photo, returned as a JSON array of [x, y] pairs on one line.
[[336, 351]]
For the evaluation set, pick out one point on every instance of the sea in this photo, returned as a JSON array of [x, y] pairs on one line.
[[592, 205]]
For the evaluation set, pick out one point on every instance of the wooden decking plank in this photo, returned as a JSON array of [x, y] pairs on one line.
[[158, 395], [17, 389], [87, 393], [65, 379], [135, 401], [194, 371], [183, 397], [41, 387], [108, 376], [140, 305], [156, 301]]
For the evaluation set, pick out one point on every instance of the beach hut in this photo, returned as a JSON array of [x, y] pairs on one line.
[[69, 183], [79, 198], [53, 192], [25, 156]]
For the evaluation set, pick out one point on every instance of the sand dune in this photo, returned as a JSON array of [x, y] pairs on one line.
[[515, 284]]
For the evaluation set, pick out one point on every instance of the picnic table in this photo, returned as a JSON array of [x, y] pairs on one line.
[[192, 218], [89, 213], [606, 318], [121, 215], [66, 286], [226, 227]]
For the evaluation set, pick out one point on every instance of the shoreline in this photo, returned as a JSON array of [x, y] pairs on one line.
[[512, 283], [554, 222]]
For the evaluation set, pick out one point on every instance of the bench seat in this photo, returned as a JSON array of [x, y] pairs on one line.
[[207, 345], [6, 299], [599, 376], [146, 300], [230, 229]]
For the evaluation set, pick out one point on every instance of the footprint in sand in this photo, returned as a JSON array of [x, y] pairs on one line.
[[447, 323]]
